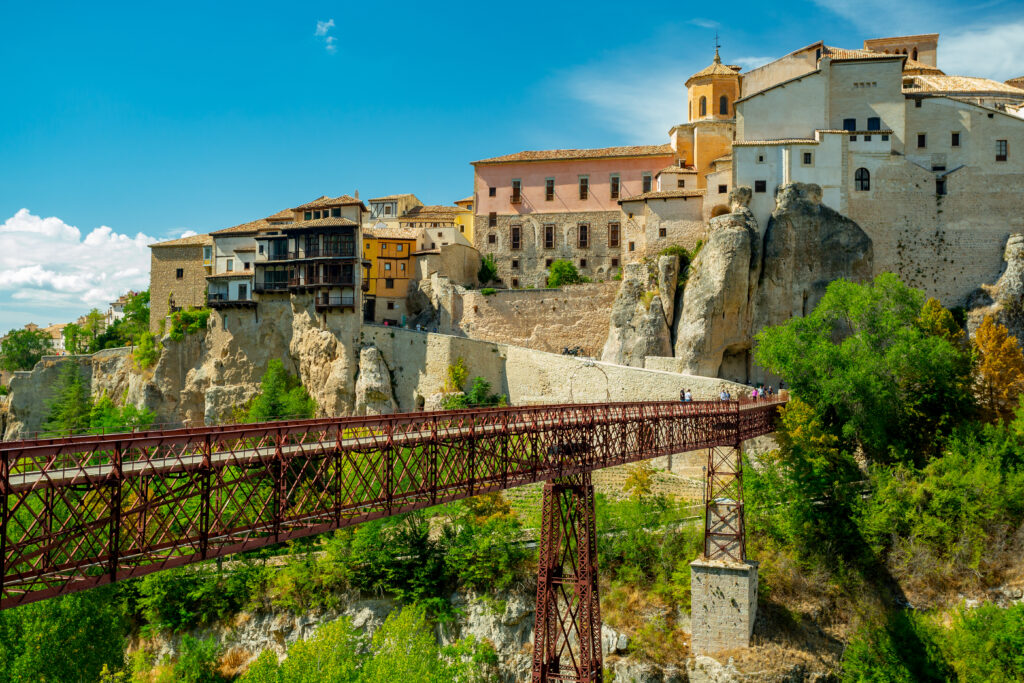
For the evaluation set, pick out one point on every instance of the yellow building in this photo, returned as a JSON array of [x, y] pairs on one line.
[[464, 219], [388, 268]]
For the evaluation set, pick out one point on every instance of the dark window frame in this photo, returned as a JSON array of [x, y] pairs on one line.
[[760, 186], [549, 236], [549, 189], [614, 233], [583, 235], [516, 237], [584, 187], [862, 180]]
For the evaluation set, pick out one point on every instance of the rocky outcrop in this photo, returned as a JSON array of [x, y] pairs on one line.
[[715, 319], [668, 280], [638, 326], [807, 245], [1005, 299], [373, 385], [741, 283]]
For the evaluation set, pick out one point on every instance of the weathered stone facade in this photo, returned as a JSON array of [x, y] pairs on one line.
[[655, 223], [723, 605], [167, 259]]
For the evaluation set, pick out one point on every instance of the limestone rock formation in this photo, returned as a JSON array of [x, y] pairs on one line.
[[714, 323], [373, 385], [668, 278], [807, 245], [638, 326], [1005, 299]]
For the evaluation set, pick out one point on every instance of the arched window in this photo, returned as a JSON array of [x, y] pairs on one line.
[[862, 179], [913, 55], [723, 105], [703, 106]]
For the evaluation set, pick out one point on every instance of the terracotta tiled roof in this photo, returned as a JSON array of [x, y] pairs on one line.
[[467, 199], [666, 194], [430, 213], [677, 169], [194, 240], [286, 214], [252, 227], [844, 53], [391, 233], [912, 66], [570, 154], [235, 274], [391, 197], [1016, 82], [958, 84], [716, 68], [324, 200], [780, 141], [318, 223]]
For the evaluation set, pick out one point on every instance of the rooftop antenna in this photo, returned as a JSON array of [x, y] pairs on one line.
[[717, 45]]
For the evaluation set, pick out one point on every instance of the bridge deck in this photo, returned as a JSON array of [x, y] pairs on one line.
[[83, 511]]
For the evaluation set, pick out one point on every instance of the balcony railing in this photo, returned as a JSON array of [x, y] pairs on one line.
[[326, 280], [515, 198], [336, 301], [221, 299], [349, 252], [271, 286], [278, 255]]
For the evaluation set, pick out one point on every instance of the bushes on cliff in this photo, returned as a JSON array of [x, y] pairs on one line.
[[73, 410], [146, 353], [281, 396], [190, 321], [563, 272], [22, 349], [488, 270]]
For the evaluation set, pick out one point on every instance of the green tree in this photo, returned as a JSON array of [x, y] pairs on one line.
[[873, 376], [71, 408], [563, 272], [106, 418], [75, 341], [281, 396], [22, 349], [147, 351], [404, 649], [136, 310], [488, 270]]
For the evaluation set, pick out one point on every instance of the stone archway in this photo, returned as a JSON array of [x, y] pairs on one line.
[[588, 383]]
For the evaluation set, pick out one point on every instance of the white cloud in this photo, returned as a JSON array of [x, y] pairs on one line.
[[749, 63], [323, 28], [995, 51], [704, 23], [46, 264], [640, 106]]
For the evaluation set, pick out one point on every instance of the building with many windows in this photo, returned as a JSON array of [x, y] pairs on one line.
[[388, 268]]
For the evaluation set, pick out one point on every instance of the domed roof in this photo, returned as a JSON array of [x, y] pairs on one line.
[[715, 69]]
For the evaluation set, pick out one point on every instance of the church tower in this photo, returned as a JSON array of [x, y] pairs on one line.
[[711, 92]]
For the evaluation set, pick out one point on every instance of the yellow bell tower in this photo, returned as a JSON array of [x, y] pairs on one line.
[[712, 91]]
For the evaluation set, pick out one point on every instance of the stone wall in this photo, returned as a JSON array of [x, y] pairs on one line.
[[165, 285]]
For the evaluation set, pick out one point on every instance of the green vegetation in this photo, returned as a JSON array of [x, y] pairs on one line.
[[479, 395], [22, 349], [147, 352], [281, 396], [563, 272], [487, 291], [488, 270], [191, 321], [73, 410]]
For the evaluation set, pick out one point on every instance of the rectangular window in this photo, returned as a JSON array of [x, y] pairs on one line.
[[549, 237], [874, 123], [307, 216], [885, 138], [492, 192], [613, 234], [584, 187], [230, 265], [208, 252], [615, 263], [722, 189], [922, 140], [955, 141], [391, 305], [335, 213], [662, 232], [492, 219], [549, 189], [584, 236], [387, 266], [760, 186], [614, 184], [516, 235], [245, 265], [316, 215], [515, 264], [1002, 150], [917, 103], [583, 263], [548, 262], [849, 124], [647, 182], [867, 138], [389, 283], [517, 191], [179, 273], [681, 182], [632, 246], [399, 247], [492, 239], [808, 158], [853, 138], [387, 209], [940, 186]]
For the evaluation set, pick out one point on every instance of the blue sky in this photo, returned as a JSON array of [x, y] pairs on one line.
[[124, 123]]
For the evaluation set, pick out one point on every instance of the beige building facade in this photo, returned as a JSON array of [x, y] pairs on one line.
[[177, 276]]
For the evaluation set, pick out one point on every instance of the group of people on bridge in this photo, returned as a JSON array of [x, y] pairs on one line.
[[761, 393]]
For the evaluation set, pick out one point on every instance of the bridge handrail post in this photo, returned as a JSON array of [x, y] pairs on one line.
[[278, 470], [204, 500], [389, 464], [116, 480], [5, 492], [432, 446]]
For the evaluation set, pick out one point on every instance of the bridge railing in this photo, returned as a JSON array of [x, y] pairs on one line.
[[81, 511]]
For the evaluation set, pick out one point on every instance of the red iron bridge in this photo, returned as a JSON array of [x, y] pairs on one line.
[[79, 512]]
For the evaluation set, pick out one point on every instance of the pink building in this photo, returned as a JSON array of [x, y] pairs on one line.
[[535, 207]]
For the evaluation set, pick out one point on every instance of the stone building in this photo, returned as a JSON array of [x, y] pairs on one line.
[[231, 284], [436, 226], [384, 211], [388, 267], [535, 207], [922, 161], [177, 276]]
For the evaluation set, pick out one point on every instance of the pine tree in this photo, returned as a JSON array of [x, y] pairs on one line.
[[71, 406]]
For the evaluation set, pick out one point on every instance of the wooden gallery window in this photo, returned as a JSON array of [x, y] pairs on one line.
[[517, 233], [613, 234], [549, 189], [549, 237], [584, 236], [584, 187]]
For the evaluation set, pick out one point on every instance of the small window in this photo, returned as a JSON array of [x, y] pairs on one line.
[[308, 215], [492, 192], [391, 305], [179, 273], [583, 263], [1002, 150], [401, 267], [399, 247], [955, 140], [613, 183], [584, 187], [230, 265], [662, 232], [940, 186], [208, 252], [516, 235], [549, 189], [549, 237], [515, 264], [862, 179], [492, 219], [632, 246], [874, 123], [850, 124], [808, 158], [548, 262], [917, 102], [517, 191], [615, 263], [335, 213], [389, 283], [760, 158], [245, 265], [492, 239], [760, 186], [885, 138], [613, 234], [261, 248], [722, 189], [681, 182], [922, 140], [647, 182], [515, 283], [867, 138], [723, 105], [316, 215], [703, 106], [584, 236], [387, 209], [387, 266], [853, 138], [462, 228]]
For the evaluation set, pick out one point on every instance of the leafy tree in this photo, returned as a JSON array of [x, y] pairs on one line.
[[22, 349], [640, 480], [136, 310], [75, 341], [987, 644], [190, 321], [71, 408], [70, 638], [147, 351], [106, 418], [488, 270], [874, 377], [458, 373], [1000, 372], [939, 322], [479, 394], [904, 649], [563, 272], [404, 649], [281, 396]]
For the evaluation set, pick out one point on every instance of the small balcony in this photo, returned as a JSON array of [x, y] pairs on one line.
[[275, 255], [325, 280], [516, 198], [335, 301], [268, 286], [223, 300]]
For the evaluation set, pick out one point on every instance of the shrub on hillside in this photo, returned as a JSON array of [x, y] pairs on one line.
[[190, 321], [281, 396], [563, 272], [488, 270]]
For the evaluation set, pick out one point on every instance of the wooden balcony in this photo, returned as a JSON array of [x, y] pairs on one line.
[[334, 301]]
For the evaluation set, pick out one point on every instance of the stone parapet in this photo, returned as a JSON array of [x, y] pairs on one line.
[[723, 605]]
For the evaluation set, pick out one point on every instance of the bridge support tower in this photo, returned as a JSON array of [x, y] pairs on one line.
[[723, 583], [567, 624]]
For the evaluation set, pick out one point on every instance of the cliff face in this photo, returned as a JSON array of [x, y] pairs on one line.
[[1005, 299], [737, 285], [639, 327]]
